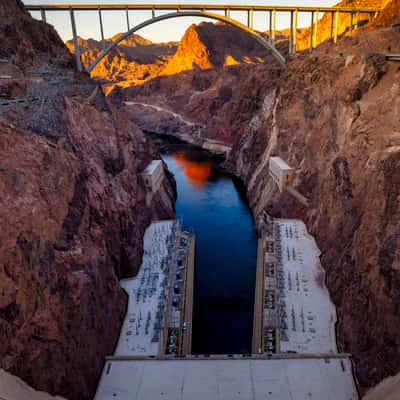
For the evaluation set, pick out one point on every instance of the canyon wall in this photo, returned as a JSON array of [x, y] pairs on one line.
[[334, 116], [72, 210]]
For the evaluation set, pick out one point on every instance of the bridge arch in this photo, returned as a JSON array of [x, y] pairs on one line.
[[204, 14]]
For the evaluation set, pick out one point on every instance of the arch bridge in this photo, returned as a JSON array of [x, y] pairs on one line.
[[212, 11]]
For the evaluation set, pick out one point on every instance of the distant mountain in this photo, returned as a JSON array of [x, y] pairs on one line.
[[203, 46], [135, 59], [209, 45]]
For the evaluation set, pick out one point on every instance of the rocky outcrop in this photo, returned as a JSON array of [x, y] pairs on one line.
[[206, 46], [134, 61], [14, 388], [73, 213], [25, 39]]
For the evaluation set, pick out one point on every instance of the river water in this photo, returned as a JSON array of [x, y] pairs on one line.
[[212, 204]]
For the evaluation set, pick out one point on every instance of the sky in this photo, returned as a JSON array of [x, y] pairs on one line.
[[169, 30]]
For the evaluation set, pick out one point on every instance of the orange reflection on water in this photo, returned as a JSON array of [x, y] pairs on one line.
[[197, 172]]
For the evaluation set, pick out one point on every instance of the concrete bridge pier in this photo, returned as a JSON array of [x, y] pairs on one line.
[[103, 42], [293, 31], [351, 22], [335, 37], [316, 28], [43, 15], [272, 26], [250, 18], [311, 31], [357, 19], [75, 39], [127, 19]]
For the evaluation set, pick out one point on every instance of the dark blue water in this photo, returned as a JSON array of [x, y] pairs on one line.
[[211, 205]]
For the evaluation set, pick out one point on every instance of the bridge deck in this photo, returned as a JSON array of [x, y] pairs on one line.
[[232, 7]]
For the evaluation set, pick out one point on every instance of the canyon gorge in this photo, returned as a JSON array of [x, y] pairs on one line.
[[73, 206]]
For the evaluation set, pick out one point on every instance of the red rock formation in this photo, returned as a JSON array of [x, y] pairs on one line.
[[134, 60], [207, 45], [72, 212]]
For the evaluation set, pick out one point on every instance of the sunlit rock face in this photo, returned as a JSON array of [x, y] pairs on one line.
[[207, 45], [72, 212], [137, 60], [134, 61], [323, 29]]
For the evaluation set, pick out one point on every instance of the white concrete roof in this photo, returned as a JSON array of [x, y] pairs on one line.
[[294, 379], [151, 167], [280, 163], [134, 338], [307, 296]]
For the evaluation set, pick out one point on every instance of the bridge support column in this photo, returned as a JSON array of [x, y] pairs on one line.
[[153, 13], [227, 12], [76, 44], [332, 22], [311, 31], [357, 19], [103, 42], [43, 14], [127, 20], [316, 29], [250, 19], [351, 22], [335, 37], [293, 32], [272, 26]]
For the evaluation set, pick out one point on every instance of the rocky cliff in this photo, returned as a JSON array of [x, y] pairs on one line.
[[73, 211], [334, 116]]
